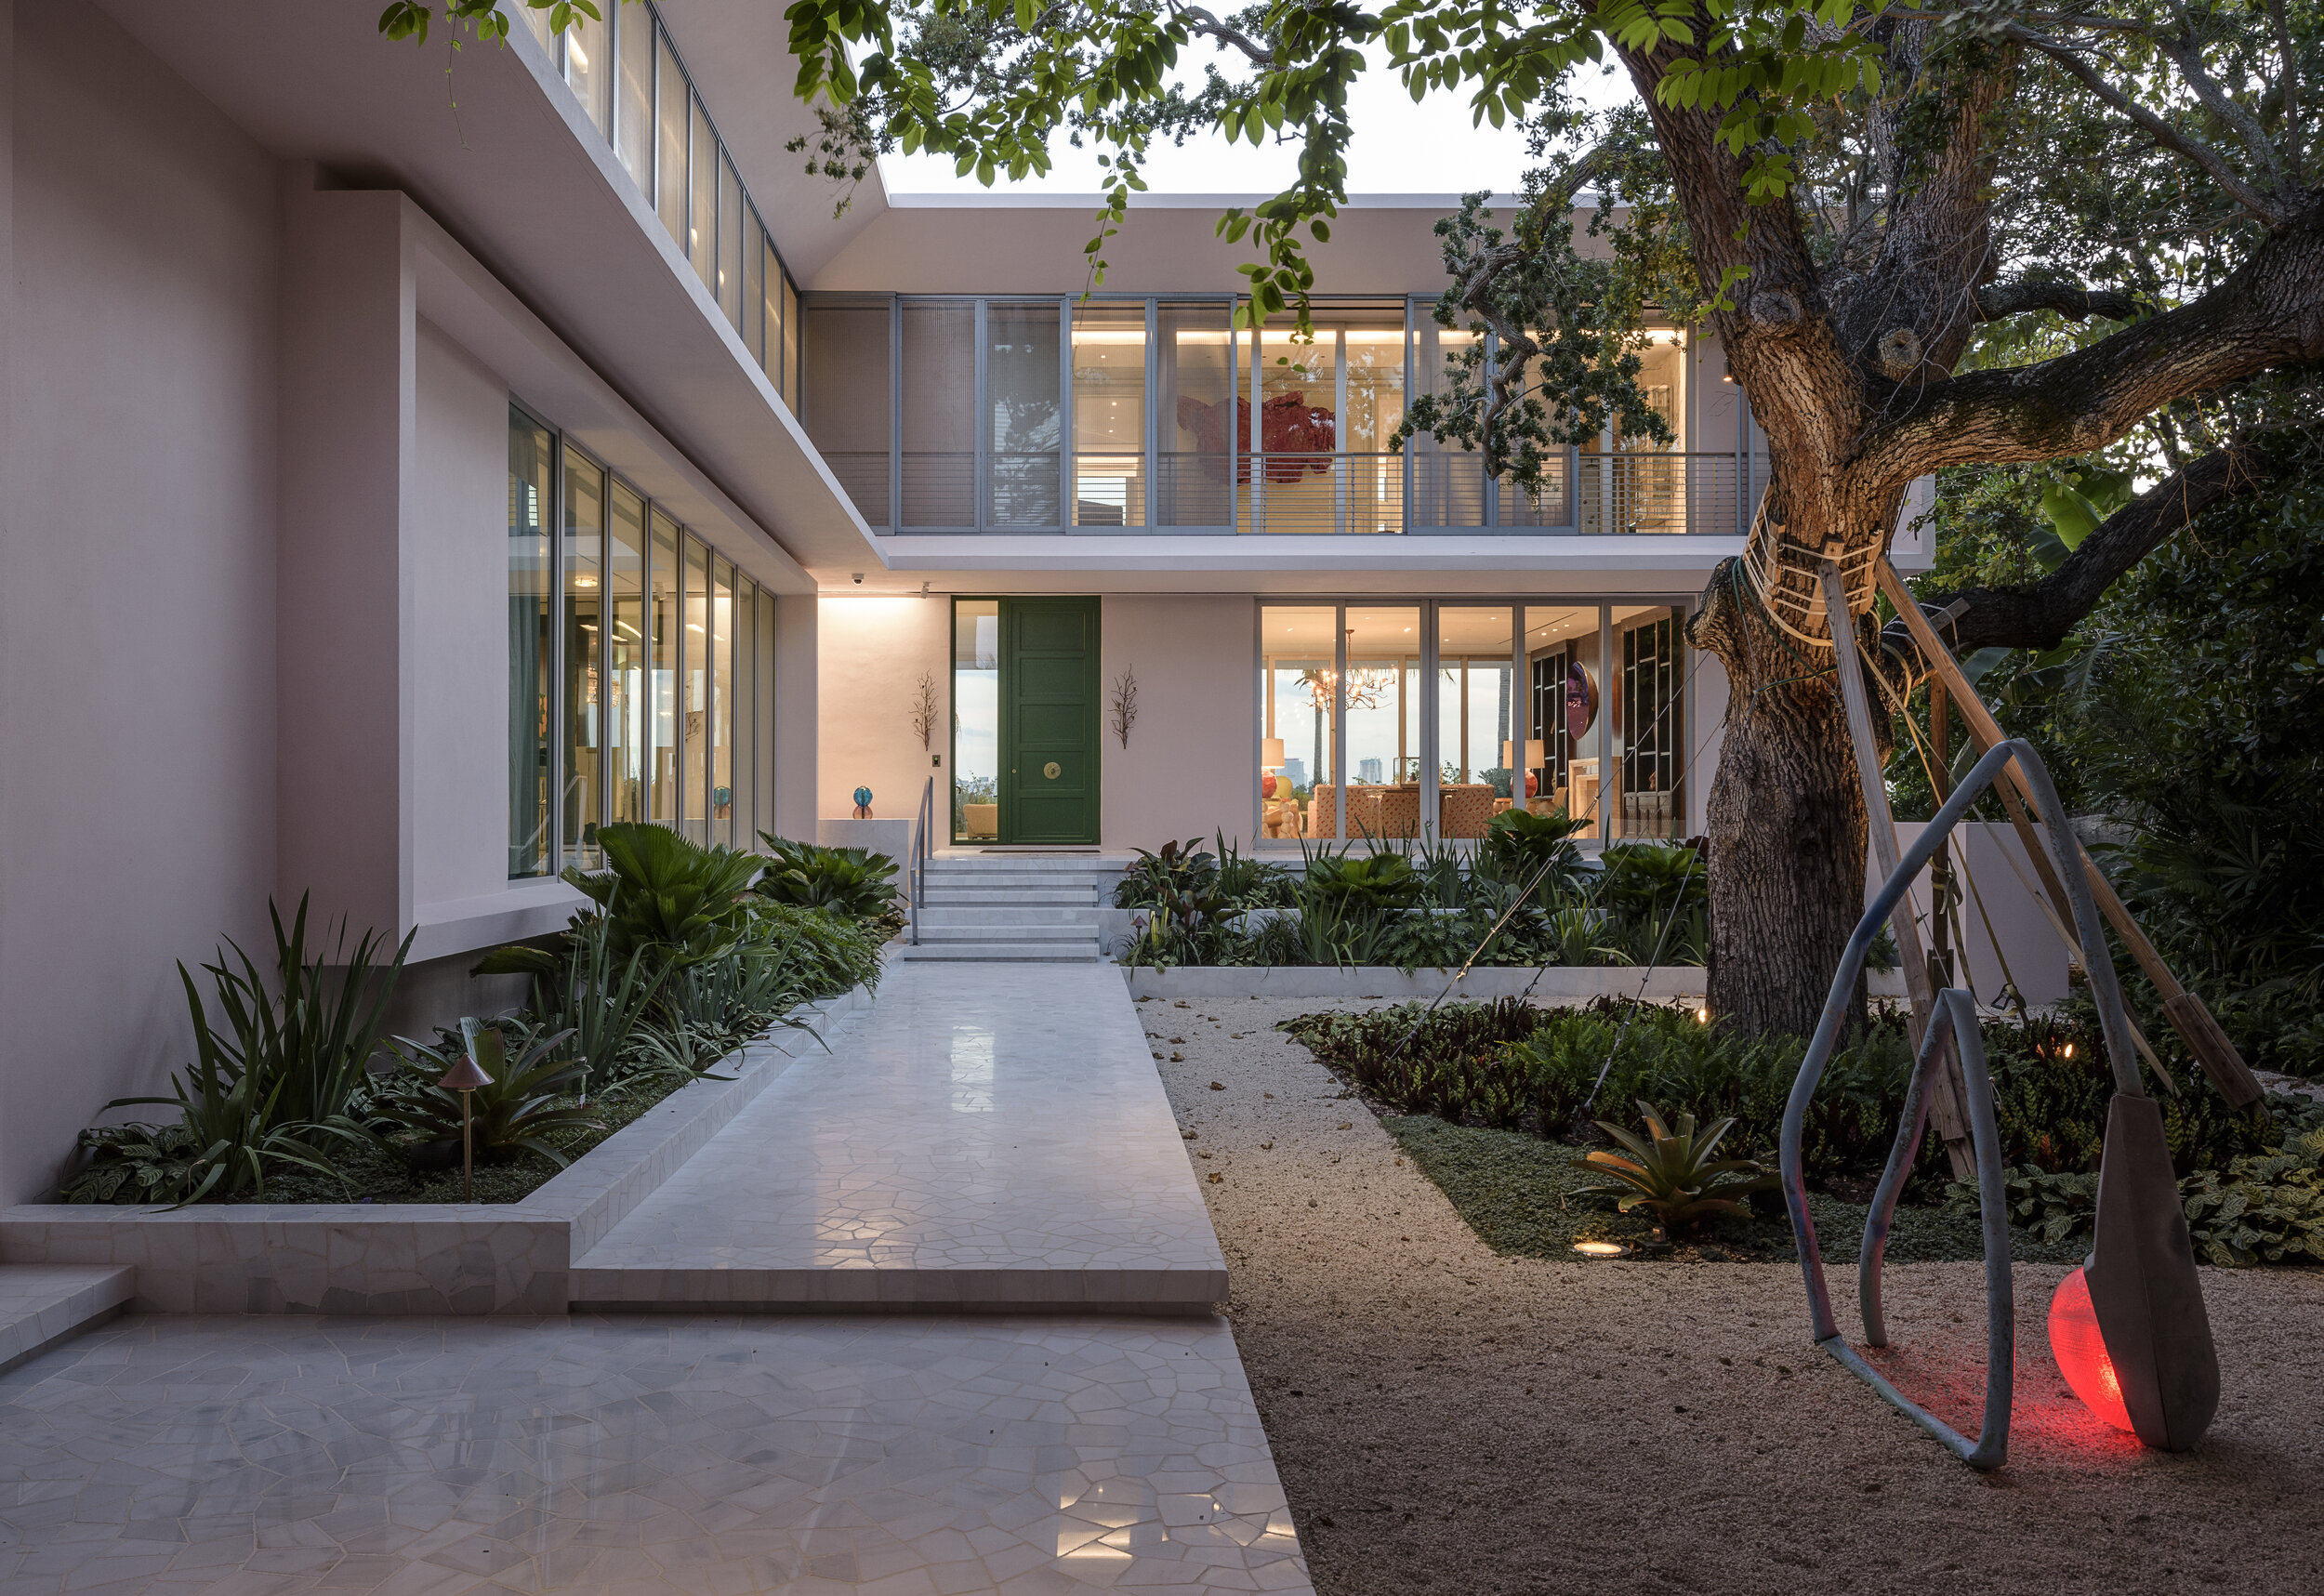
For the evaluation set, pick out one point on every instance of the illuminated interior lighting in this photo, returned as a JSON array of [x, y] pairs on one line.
[[585, 580]]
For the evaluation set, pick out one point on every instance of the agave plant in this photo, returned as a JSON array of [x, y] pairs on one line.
[[1673, 1175], [516, 1114]]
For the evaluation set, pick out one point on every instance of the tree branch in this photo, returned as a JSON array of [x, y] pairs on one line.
[[1202, 24], [2041, 617], [2070, 300], [2270, 211]]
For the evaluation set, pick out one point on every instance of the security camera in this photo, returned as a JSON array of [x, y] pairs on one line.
[[859, 578]]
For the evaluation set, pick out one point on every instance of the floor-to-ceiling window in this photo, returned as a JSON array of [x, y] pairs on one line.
[[1523, 710], [975, 720], [1023, 408], [641, 667], [532, 493], [1109, 395]]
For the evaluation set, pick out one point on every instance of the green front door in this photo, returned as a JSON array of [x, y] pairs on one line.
[[1048, 720]]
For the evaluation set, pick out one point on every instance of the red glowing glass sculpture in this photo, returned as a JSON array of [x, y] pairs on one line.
[[2081, 1350]]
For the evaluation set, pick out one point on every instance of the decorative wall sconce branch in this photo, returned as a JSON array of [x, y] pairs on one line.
[[924, 708], [1125, 704]]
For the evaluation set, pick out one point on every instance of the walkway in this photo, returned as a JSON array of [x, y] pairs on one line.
[[984, 1136]]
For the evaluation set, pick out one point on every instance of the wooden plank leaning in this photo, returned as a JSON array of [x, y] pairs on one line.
[[1949, 1104], [2183, 1009]]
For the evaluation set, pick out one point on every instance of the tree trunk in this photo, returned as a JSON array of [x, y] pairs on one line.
[[1786, 822]]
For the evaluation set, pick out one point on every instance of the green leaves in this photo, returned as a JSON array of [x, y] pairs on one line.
[[1672, 1174]]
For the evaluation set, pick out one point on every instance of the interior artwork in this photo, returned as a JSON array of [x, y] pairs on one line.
[[1288, 427]]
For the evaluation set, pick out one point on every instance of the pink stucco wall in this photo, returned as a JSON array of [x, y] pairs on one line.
[[137, 570]]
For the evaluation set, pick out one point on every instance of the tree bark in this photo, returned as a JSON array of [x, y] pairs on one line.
[[1786, 822]]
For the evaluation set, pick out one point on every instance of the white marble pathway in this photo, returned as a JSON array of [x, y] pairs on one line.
[[984, 1136]]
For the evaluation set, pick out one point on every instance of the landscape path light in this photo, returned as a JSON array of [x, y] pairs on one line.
[[466, 1074]]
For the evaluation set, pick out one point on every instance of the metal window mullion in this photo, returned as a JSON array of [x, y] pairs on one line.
[[1338, 715], [1519, 708], [1406, 454], [895, 413], [1608, 696], [1153, 433], [1432, 728], [1345, 464], [677, 689], [1233, 393], [554, 826], [980, 471], [1492, 482], [613, 31], [1257, 441]]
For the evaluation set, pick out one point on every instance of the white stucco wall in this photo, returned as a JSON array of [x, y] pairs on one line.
[[870, 655], [459, 622], [136, 570], [1190, 769]]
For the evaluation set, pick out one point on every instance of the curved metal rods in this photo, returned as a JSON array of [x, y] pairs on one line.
[[1953, 1027]]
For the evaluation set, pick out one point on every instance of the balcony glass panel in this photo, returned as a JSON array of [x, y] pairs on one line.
[[730, 241], [1022, 432], [1110, 414], [702, 193], [590, 68], [778, 329], [669, 139], [1194, 418], [754, 286], [939, 428]]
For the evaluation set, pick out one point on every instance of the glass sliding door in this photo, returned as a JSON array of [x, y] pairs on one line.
[[976, 720], [1022, 414], [719, 751], [628, 740], [582, 757], [532, 481], [1562, 655], [589, 67], [693, 666], [1109, 460], [1381, 699], [729, 276], [1299, 677], [702, 194], [763, 820], [939, 465], [755, 253], [669, 140], [1650, 722], [1479, 718], [633, 113], [663, 613], [1195, 424]]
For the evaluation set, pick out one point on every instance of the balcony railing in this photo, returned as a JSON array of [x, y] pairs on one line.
[[1297, 493]]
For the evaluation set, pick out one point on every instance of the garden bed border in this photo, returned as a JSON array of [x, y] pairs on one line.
[[414, 1258]]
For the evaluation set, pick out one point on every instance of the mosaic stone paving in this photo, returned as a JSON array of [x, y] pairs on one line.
[[985, 1134], [928, 1456]]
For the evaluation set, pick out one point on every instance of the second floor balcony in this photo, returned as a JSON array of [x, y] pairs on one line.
[[1120, 416]]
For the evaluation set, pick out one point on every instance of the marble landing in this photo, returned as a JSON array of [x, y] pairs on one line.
[[42, 1304], [920, 1456], [985, 1137]]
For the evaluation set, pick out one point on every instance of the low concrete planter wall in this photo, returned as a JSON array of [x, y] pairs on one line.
[[1558, 983], [410, 1258]]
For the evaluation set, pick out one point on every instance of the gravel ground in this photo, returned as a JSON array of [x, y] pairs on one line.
[[1447, 1419]]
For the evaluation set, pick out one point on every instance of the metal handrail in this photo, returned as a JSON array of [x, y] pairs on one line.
[[915, 883], [1952, 1025]]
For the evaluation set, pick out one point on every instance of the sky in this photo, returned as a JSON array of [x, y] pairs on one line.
[[1400, 148]]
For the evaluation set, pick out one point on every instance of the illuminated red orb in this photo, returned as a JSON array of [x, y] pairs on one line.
[[2081, 1351]]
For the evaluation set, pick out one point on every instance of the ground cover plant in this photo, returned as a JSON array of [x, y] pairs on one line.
[[1507, 1106], [1525, 896], [677, 961]]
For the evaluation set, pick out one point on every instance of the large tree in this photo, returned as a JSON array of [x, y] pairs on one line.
[[1927, 236]]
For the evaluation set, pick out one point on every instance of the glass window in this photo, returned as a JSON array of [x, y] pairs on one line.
[[693, 788], [1370, 406], [633, 118], [1194, 427], [846, 414], [720, 748], [976, 720], [1381, 702], [777, 328], [939, 432], [1478, 715], [1021, 406], [662, 640], [628, 740], [730, 241], [742, 693], [538, 22], [1110, 414], [530, 478], [702, 208], [1327, 406], [754, 287], [1561, 653], [589, 67], [669, 139], [1299, 719], [581, 711], [1447, 481], [793, 382], [1650, 722], [764, 716]]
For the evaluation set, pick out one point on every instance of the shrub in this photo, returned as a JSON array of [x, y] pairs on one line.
[[515, 1113], [851, 881]]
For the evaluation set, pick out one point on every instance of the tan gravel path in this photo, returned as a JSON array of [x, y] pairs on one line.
[[1445, 1420]]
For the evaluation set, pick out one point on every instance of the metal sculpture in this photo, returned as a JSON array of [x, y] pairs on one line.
[[2143, 1292]]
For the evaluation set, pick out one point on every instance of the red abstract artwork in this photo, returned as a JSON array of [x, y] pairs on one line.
[[1288, 427]]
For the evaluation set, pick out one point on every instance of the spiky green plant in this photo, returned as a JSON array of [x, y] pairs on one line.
[[1672, 1174], [516, 1114]]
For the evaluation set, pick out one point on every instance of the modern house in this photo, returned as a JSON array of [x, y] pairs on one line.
[[419, 460]]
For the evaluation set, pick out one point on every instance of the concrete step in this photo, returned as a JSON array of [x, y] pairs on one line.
[[44, 1304], [1016, 879], [1043, 898], [1084, 952], [1008, 917], [985, 932]]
